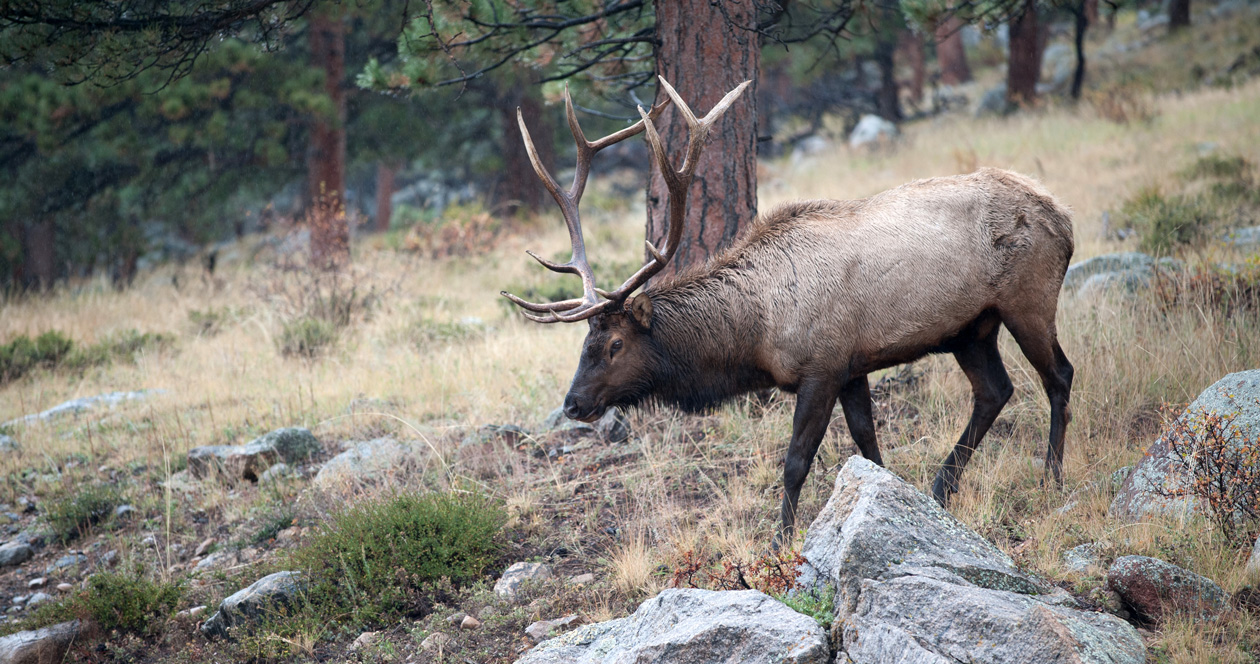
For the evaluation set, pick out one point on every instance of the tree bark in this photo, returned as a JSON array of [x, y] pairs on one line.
[[1024, 61], [911, 48], [40, 249], [705, 51], [1081, 13], [326, 166], [386, 170], [887, 102], [519, 188], [1178, 15], [950, 52], [1091, 12]]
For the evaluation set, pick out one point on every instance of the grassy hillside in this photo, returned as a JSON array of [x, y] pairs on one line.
[[431, 354]]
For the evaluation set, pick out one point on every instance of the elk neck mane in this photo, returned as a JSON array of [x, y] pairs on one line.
[[706, 326]]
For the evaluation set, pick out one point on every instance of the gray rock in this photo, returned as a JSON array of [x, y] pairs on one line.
[[875, 526], [1128, 271], [613, 426], [872, 131], [518, 573], [249, 461], [541, 629], [217, 560], [277, 471], [1058, 63], [65, 562], [993, 102], [1243, 238], [42, 646], [124, 512], [363, 461], [691, 627], [84, 404], [205, 546], [1144, 492], [8, 444], [810, 146], [582, 579], [14, 553], [915, 585], [1154, 588], [37, 583], [436, 642], [940, 621], [1081, 558], [37, 599], [268, 596]]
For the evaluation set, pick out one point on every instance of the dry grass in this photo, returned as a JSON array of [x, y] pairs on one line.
[[687, 484]]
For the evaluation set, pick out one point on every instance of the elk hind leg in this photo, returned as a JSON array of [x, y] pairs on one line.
[[1040, 345], [991, 388], [814, 403]]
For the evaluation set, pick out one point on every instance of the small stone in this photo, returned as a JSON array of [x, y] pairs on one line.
[[8, 444], [469, 622], [542, 629], [49, 644], [205, 546], [149, 541], [197, 610], [288, 534], [277, 471], [1153, 587], [37, 599], [1081, 558], [65, 562], [436, 641], [270, 595], [216, 560], [124, 512], [15, 608], [1253, 563], [14, 553], [38, 582], [508, 584], [456, 618], [64, 587], [21, 599], [365, 640], [104, 470], [582, 579], [110, 558]]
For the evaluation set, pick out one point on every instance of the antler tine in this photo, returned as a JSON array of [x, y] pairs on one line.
[[677, 182], [588, 305]]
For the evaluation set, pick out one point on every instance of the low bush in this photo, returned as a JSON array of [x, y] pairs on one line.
[[1166, 222], [54, 350], [307, 336], [1223, 462], [24, 354], [1226, 289], [384, 558], [127, 601], [74, 515]]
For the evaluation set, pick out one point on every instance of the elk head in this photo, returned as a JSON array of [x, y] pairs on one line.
[[619, 355]]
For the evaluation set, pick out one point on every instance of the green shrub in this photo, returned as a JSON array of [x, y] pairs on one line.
[[1220, 167], [1167, 222], [307, 337], [128, 602], [426, 333], [23, 354], [819, 604], [74, 516], [380, 559]]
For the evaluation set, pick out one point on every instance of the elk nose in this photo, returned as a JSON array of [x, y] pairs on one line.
[[571, 408]]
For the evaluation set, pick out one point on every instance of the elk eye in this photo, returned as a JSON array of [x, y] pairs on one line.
[[616, 346]]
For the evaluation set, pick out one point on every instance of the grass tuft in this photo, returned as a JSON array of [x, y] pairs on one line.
[[75, 515]]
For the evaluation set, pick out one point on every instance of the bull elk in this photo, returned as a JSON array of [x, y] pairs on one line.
[[818, 294]]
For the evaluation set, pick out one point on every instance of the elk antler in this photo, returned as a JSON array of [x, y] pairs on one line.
[[676, 182]]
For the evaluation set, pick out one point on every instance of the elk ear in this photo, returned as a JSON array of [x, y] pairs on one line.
[[640, 308]]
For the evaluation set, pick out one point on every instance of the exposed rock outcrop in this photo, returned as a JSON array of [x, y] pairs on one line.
[[694, 627], [913, 584]]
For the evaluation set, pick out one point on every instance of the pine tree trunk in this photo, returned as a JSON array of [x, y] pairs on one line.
[[326, 165], [950, 52], [887, 103], [40, 249], [704, 55], [1178, 15], [1081, 14], [386, 170], [911, 48], [1024, 61], [519, 188]]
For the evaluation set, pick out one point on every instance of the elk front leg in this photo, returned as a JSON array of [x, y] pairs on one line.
[[855, 398], [814, 403]]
